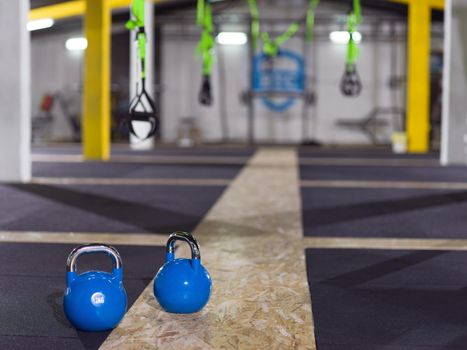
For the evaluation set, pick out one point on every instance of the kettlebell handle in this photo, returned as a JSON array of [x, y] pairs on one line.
[[187, 237], [71, 264]]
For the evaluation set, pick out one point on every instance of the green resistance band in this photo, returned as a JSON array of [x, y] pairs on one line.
[[353, 21], [255, 27], [200, 13], [271, 46], [137, 24], [310, 19], [351, 85], [206, 42]]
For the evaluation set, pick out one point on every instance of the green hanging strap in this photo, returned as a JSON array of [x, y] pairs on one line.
[[137, 23], [255, 27], [271, 46], [200, 13], [205, 48], [206, 43], [353, 21], [142, 106], [310, 19], [351, 84]]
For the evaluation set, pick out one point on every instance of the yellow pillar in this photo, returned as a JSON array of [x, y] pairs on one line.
[[96, 95], [418, 96]]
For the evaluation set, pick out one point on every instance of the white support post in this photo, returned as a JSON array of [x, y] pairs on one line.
[[15, 100], [454, 119], [142, 127]]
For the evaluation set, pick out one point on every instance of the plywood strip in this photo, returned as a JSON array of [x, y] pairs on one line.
[[146, 159], [82, 238], [384, 184], [251, 242], [388, 162], [384, 243], [128, 181]]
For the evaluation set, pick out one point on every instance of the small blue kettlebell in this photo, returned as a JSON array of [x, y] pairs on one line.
[[94, 301], [182, 286]]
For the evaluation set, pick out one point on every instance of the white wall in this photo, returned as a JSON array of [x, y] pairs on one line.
[[55, 69], [15, 162], [454, 127], [181, 80]]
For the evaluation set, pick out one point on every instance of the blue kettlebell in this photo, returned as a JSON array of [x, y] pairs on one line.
[[94, 301], [182, 286]]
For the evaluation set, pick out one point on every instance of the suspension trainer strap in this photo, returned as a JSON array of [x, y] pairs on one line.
[[351, 84], [204, 49], [137, 24], [271, 46], [200, 13], [255, 26], [310, 19], [206, 42], [353, 21], [142, 106]]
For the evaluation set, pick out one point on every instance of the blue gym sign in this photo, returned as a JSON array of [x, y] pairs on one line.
[[283, 74]]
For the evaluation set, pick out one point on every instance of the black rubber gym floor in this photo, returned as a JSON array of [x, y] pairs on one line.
[[383, 153], [382, 299], [32, 282], [158, 151], [135, 170], [362, 299], [119, 209], [401, 213], [385, 173]]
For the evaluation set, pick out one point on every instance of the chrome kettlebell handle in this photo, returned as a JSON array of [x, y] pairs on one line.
[[187, 237], [71, 264]]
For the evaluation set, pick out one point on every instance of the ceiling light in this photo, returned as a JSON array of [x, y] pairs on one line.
[[39, 24], [76, 44], [342, 37], [232, 38]]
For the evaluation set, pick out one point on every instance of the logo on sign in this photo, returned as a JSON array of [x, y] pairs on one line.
[[284, 73]]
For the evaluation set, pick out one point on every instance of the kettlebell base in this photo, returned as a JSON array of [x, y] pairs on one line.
[[182, 312], [98, 330]]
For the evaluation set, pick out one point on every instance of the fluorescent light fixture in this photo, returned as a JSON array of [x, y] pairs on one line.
[[76, 44], [39, 24], [232, 38], [342, 37]]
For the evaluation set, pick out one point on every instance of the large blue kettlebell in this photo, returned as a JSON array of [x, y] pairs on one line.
[[182, 286], [94, 301]]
